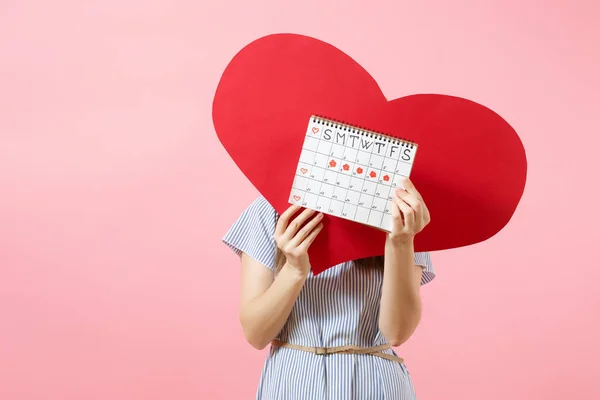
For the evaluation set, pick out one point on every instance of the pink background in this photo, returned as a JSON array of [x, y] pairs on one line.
[[116, 191]]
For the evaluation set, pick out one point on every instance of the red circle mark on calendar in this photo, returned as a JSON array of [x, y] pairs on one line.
[[346, 167], [332, 163], [359, 170], [386, 178], [372, 174]]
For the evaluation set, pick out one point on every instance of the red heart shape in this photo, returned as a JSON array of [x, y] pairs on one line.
[[470, 167], [315, 130], [297, 198], [303, 170]]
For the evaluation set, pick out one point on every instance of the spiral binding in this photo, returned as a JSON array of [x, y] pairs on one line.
[[363, 131]]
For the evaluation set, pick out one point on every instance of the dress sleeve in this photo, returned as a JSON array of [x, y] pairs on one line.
[[253, 231], [424, 261]]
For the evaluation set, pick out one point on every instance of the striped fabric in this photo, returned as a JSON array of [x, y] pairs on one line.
[[338, 307]]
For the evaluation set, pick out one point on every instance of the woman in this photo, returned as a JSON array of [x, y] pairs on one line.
[[330, 334]]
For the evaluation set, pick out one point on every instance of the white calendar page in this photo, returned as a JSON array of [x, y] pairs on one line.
[[350, 173]]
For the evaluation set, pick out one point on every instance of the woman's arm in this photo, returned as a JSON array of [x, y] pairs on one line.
[[400, 309], [266, 302]]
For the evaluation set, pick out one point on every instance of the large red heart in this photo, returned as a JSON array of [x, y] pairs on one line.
[[470, 166]]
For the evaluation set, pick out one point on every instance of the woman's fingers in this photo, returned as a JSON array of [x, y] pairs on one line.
[[407, 212], [310, 238], [284, 219], [420, 207], [396, 214], [296, 223], [411, 200], [411, 189], [306, 230], [293, 232], [416, 205]]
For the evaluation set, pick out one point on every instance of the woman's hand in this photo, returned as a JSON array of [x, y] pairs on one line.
[[294, 239], [409, 214], [267, 300], [400, 307]]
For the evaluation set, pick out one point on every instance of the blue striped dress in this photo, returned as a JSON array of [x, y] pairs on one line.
[[338, 307]]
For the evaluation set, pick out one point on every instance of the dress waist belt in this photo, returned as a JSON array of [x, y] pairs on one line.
[[349, 349]]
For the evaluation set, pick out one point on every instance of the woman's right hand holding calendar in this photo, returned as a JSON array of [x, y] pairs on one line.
[[294, 236]]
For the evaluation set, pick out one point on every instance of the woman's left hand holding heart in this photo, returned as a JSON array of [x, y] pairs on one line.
[[409, 214]]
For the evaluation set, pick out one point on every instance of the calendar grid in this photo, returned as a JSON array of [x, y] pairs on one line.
[[352, 181]]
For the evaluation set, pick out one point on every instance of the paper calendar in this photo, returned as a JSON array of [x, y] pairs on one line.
[[350, 172]]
